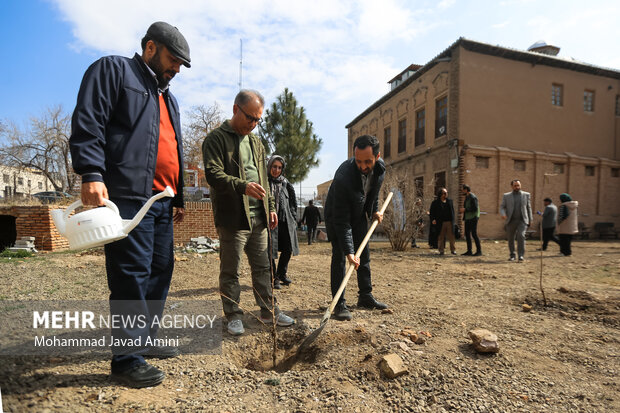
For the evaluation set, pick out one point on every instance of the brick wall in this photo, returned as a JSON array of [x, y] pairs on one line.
[[598, 195], [198, 222], [35, 221]]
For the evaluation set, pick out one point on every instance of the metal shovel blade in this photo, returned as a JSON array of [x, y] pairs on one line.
[[312, 337]]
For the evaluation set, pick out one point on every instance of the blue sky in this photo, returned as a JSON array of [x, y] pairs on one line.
[[336, 56]]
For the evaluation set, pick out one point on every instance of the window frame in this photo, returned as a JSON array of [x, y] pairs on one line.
[[588, 104], [387, 142], [557, 98], [441, 105], [420, 132], [402, 135]]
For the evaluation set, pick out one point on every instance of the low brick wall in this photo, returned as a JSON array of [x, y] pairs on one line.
[[198, 222], [36, 221]]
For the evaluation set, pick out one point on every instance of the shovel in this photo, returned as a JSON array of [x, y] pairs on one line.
[[310, 339]]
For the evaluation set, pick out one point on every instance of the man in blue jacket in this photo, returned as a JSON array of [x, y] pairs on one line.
[[352, 200], [126, 145]]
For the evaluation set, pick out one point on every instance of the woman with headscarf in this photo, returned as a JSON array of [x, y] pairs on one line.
[[284, 237], [567, 223]]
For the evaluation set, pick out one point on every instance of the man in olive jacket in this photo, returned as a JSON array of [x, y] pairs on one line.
[[352, 200], [235, 169]]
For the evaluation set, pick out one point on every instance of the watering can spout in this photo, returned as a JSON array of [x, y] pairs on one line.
[[128, 225], [59, 221]]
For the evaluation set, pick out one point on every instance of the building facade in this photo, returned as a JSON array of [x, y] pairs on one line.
[[22, 182], [483, 115]]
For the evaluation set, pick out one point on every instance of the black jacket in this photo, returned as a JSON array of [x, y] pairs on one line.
[[435, 212], [346, 205], [115, 128], [311, 216]]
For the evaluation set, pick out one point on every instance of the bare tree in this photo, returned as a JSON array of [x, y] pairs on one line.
[[202, 120], [42, 146], [404, 219]]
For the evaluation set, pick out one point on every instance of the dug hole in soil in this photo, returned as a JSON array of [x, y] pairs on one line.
[[562, 357]]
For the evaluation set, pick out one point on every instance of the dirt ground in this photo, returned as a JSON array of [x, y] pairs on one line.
[[563, 357]]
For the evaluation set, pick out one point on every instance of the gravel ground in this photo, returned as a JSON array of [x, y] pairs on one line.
[[563, 357]]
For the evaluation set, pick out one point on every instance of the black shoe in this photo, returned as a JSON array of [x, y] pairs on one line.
[[276, 284], [453, 252], [144, 375], [467, 253], [284, 280], [368, 301], [342, 313], [478, 253], [161, 352]]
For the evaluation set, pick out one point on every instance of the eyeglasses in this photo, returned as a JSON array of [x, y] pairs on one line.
[[248, 117]]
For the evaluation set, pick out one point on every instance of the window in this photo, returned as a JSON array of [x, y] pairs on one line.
[[20, 181], [6, 178], [387, 142], [589, 170], [558, 168], [588, 101], [519, 165], [402, 135], [440, 181], [482, 162], [441, 117], [556, 94], [615, 172], [419, 187], [617, 105], [40, 185], [420, 123]]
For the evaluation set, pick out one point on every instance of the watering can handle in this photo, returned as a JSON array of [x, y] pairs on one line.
[[78, 204]]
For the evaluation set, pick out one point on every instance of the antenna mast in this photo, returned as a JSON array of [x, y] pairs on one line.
[[240, 64]]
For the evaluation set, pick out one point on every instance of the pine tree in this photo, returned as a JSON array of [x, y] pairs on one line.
[[286, 131]]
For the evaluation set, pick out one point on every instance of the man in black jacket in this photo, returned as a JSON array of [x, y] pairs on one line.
[[126, 145], [311, 217], [351, 202], [442, 214]]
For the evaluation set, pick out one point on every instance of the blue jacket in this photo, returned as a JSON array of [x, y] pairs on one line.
[[115, 128], [346, 205]]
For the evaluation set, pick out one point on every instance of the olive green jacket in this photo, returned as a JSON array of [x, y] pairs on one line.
[[226, 177]]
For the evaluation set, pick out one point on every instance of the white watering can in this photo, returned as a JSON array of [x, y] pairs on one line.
[[99, 226]]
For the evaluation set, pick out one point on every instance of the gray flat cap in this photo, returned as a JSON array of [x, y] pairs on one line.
[[170, 37]]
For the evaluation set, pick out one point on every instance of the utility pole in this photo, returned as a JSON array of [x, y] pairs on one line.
[[240, 64]]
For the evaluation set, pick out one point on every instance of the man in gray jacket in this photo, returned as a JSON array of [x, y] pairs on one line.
[[516, 210]]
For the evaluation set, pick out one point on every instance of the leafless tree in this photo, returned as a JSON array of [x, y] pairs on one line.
[[43, 146], [201, 120], [405, 218]]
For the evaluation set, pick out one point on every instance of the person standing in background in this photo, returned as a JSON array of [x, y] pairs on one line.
[[442, 215], [311, 217], [471, 214], [284, 237], [567, 223]]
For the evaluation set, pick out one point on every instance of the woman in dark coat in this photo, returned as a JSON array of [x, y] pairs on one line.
[[442, 215], [284, 237]]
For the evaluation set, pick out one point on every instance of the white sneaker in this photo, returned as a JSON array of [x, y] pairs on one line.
[[281, 319], [235, 327]]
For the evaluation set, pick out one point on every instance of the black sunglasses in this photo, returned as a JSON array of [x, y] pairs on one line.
[[248, 117]]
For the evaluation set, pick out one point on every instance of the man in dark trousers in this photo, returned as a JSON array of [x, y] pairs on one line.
[[311, 217], [471, 214], [352, 200], [126, 145], [549, 217]]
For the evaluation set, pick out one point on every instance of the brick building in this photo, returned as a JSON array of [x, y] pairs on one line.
[[483, 115]]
